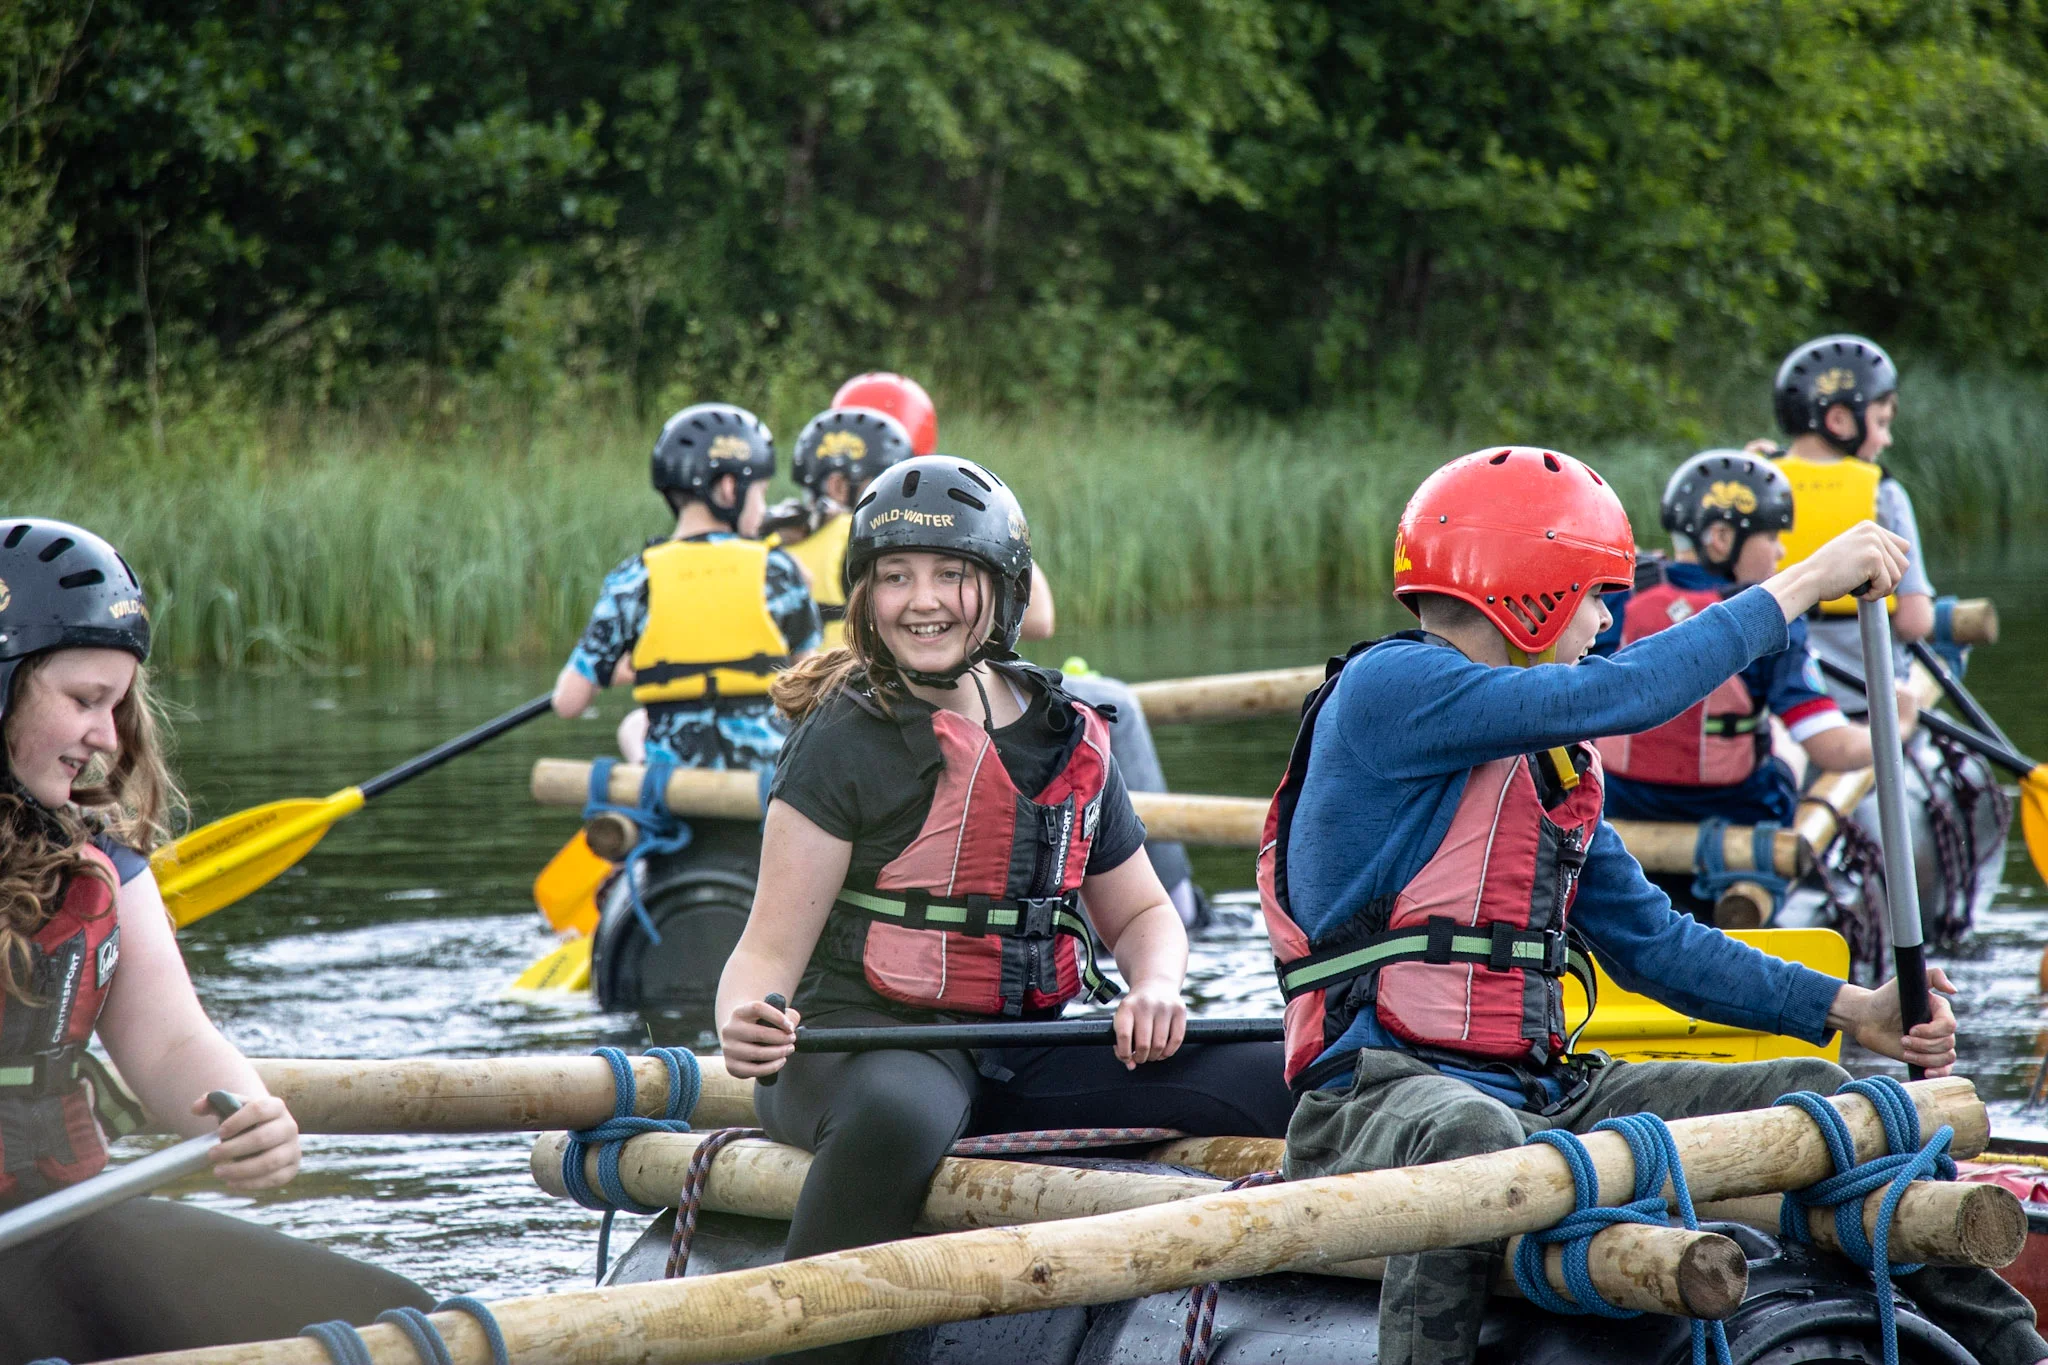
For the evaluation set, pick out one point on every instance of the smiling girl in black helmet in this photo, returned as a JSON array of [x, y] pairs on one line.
[[937, 818], [86, 948]]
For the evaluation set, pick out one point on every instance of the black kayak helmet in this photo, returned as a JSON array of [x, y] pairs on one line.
[[1828, 370], [1747, 491], [62, 587], [948, 506], [701, 445], [857, 442]]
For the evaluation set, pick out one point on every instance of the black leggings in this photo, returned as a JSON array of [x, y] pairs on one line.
[[153, 1275], [879, 1122]]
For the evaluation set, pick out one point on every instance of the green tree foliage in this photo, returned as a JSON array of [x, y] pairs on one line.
[[1528, 215]]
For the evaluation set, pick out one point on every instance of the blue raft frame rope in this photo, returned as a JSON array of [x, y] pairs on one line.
[[1712, 875], [345, 1345], [685, 1085], [1656, 1161], [1845, 1191], [661, 830]]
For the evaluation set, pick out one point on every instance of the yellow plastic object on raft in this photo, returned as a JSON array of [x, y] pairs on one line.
[[566, 889], [567, 968], [1636, 1028]]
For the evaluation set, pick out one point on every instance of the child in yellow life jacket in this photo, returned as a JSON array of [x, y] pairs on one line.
[[1727, 511], [1439, 831], [1836, 397], [838, 454], [700, 623]]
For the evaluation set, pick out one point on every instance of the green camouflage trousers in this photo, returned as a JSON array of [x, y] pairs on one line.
[[1399, 1111]]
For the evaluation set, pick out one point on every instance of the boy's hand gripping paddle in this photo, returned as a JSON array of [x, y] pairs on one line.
[[1902, 887]]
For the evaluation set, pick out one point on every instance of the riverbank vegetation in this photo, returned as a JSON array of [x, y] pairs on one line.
[[301, 537]]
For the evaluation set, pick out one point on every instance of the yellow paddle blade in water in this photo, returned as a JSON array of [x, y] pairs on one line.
[[2034, 817], [1636, 1028], [215, 866], [566, 889], [567, 968]]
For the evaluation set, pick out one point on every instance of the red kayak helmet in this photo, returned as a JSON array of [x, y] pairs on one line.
[[1521, 533], [902, 398]]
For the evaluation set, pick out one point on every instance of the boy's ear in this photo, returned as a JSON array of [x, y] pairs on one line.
[[1841, 421]]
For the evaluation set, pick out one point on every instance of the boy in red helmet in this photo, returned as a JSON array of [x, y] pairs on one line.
[[1444, 782]]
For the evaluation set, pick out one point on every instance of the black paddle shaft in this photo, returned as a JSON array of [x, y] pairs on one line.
[[454, 748], [1952, 687], [2009, 759], [1035, 1033]]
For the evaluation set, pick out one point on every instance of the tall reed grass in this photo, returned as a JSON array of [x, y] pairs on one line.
[[283, 538]]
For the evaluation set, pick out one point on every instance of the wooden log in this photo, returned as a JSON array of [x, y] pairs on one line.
[[1974, 621], [1744, 905], [1651, 1270], [1233, 1158], [610, 835], [848, 1295], [485, 1094], [1937, 1222], [1228, 696], [1667, 847]]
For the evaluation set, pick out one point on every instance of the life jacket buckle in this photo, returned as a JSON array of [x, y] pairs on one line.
[[39, 1075], [1556, 954], [1038, 916]]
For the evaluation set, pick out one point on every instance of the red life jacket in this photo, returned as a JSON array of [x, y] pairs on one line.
[[1465, 961], [1717, 742], [49, 1136], [981, 913]]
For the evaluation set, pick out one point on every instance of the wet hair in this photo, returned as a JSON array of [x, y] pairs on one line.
[[131, 797], [800, 690]]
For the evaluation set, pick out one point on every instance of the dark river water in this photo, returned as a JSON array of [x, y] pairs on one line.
[[397, 935]]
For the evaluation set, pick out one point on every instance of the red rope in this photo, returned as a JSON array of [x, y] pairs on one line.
[[1199, 1338]]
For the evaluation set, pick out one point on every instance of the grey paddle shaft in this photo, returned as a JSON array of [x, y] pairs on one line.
[[122, 1183], [1902, 887]]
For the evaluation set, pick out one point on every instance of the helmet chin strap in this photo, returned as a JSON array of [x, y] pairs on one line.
[[1559, 758]]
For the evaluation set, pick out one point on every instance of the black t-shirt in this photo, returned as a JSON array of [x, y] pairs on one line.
[[855, 775]]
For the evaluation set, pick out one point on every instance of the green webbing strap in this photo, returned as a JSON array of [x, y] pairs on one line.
[[1725, 726], [1527, 950], [120, 1113], [17, 1077], [1002, 918]]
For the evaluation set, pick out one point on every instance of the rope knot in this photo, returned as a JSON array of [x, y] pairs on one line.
[[685, 1085], [661, 830], [1710, 865]]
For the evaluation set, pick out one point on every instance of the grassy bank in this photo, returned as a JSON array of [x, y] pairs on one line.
[[288, 538]]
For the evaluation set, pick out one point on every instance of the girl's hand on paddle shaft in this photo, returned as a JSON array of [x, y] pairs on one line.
[[258, 1147], [758, 1038], [1866, 553], [1872, 1019], [1150, 1023]]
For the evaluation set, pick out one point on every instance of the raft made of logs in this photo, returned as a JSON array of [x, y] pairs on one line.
[[1221, 821], [848, 1295], [1636, 1266]]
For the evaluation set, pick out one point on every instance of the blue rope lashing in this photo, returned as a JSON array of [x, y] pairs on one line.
[[1943, 641], [1711, 874], [685, 1085], [1846, 1190], [1656, 1161], [661, 831], [345, 1345]]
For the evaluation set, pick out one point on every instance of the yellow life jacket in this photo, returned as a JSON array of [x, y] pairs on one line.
[[822, 553], [1828, 497], [708, 630]]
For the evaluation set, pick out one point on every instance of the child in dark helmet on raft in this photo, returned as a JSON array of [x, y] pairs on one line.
[[935, 820], [1445, 777], [87, 950], [1726, 511], [699, 623]]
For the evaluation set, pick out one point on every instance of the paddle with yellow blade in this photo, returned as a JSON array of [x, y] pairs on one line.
[[2033, 776], [213, 867]]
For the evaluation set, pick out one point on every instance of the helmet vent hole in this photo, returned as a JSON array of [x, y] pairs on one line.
[[910, 481], [1501, 458], [1550, 463], [14, 536], [55, 548], [980, 482], [866, 498], [84, 578], [1527, 612], [958, 495]]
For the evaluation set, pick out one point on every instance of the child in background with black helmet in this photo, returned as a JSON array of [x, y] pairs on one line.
[[936, 822], [87, 951], [1726, 512], [1836, 397], [699, 623]]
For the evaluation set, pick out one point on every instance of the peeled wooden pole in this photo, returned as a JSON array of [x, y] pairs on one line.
[[848, 1295], [1228, 696], [1939, 1222], [485, 1094], [1974, 621], [1218, 821], [1649, 1269]]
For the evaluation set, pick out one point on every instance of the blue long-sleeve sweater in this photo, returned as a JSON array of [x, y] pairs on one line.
[[1410, 720]]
